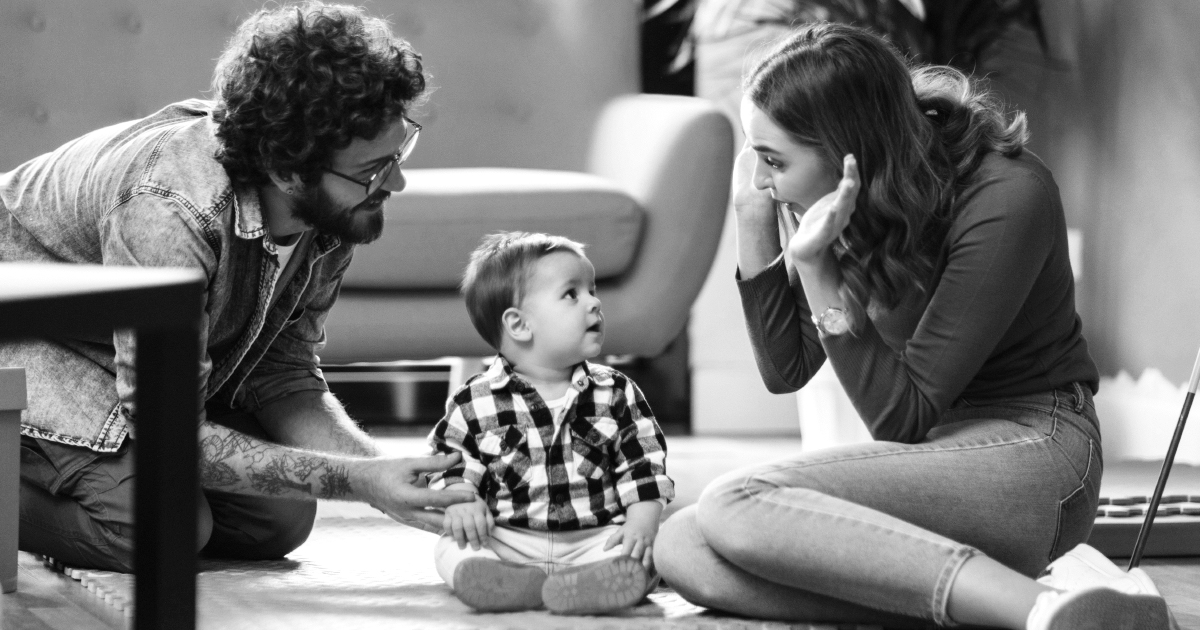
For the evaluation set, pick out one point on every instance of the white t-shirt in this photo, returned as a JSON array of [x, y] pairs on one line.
[[558, 407]]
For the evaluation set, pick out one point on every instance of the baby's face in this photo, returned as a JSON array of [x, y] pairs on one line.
[[562, 309]]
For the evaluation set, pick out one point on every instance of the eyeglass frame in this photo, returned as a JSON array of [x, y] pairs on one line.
[[385, 170]]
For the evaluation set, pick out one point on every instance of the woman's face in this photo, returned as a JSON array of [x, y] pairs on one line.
[[794, 173]]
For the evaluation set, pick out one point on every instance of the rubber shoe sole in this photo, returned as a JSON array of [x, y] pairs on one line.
[[1105, 609], [596, 588], [496, 586]]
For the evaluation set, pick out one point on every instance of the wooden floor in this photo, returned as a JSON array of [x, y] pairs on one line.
[[51, 601]]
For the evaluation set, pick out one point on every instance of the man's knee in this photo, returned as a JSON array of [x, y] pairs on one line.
[[258, 528], [293, 524]]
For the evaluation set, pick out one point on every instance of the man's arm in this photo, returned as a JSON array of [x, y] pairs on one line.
[[237, 463], [315, 420]]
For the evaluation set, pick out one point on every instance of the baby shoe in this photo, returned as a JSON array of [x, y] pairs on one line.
[[595, 588], [489, 585], [1085, 567], [1097, 608]]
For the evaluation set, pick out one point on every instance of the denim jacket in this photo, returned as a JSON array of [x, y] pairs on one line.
[[150, 193]]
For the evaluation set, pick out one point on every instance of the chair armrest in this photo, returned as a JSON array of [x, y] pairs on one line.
[[674, 155]]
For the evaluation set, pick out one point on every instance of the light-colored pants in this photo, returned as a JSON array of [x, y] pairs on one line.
[[548, 551], [876, 533]]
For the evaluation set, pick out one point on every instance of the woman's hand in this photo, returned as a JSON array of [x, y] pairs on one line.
[[747, 198], [757, 221], [823, 223]]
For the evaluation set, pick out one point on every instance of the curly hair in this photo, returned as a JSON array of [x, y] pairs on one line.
[[496, 276], [298, 82], [919, 134]]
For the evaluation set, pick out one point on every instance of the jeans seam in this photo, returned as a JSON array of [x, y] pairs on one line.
[[955, 549], [1082, 488], [915, 451]]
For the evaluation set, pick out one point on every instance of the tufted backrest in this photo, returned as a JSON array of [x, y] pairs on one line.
[[518, 82]]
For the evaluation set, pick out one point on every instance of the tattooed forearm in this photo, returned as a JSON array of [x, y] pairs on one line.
[[236, 462]]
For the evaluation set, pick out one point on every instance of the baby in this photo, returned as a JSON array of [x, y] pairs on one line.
[[565, 455]]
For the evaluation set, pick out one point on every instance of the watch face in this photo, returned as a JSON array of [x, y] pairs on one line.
[[834, 321]]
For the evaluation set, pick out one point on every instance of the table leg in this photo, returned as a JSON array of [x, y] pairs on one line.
[[12, 401], [167, 479]]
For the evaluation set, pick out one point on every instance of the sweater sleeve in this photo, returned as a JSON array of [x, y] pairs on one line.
[[784, 340], [996, 249]]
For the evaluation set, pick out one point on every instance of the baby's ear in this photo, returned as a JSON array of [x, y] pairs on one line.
[[515, 326]]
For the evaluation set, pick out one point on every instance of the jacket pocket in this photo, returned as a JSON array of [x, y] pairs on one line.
[[594, 440], [505, 452]]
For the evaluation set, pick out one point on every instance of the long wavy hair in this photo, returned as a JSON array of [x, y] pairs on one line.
[[298, 82], [918, 134]]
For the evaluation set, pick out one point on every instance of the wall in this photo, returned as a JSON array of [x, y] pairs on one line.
[[728, 395], [1117, 117], [499, 70]]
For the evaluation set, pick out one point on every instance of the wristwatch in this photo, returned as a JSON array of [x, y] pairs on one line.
[[832, 322]]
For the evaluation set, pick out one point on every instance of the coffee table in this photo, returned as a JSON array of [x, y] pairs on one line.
[[163, 307]]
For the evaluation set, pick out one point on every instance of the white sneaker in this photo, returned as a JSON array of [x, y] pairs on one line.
[[1085, 567], [1098, 609]]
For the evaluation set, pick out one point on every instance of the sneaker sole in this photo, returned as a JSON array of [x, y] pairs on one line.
[[494, 586], [600, 587], [1101, 609]]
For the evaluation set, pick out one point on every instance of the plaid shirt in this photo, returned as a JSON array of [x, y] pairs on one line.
[[606, 454]]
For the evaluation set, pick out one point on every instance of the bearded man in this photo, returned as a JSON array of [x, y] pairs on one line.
[[266, 189]]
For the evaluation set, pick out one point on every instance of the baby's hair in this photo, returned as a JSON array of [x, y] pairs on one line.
[[496, 276]]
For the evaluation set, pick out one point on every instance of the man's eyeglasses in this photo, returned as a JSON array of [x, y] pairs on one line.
[[376, 181]]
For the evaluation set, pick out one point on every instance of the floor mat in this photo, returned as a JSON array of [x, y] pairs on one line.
[[375, 573]]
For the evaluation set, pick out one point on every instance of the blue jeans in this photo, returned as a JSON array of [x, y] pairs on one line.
[[876, 533], [77, 507]]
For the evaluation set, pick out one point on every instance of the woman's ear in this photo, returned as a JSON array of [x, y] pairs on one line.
[[289, 185], [515, 326]]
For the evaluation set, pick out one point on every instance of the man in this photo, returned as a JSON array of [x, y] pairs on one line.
[[266, 189]]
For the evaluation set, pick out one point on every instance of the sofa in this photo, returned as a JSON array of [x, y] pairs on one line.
[[535, 123]]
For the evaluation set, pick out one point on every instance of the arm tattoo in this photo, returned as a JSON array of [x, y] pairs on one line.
[[238, 463]]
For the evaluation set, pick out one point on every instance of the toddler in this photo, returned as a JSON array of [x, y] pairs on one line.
[[565, 455]]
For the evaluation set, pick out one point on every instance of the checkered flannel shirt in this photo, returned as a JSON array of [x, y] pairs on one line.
[[606, 454]]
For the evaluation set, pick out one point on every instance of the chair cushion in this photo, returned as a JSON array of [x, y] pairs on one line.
[[438, 220]]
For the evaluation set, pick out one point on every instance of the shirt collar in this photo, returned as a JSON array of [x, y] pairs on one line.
[[247, 213], [501, 373], [249, 222]]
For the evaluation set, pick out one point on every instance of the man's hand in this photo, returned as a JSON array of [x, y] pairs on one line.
[[637, 534], [396, 486]]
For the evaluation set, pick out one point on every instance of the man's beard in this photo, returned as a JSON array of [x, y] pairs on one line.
[[359, 224]]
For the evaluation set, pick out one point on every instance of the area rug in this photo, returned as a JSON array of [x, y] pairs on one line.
[[375, 573]]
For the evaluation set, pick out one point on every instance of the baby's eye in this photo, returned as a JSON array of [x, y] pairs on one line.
[[571, 293]]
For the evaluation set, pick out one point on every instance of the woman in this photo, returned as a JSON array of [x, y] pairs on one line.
[[929, 264]]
